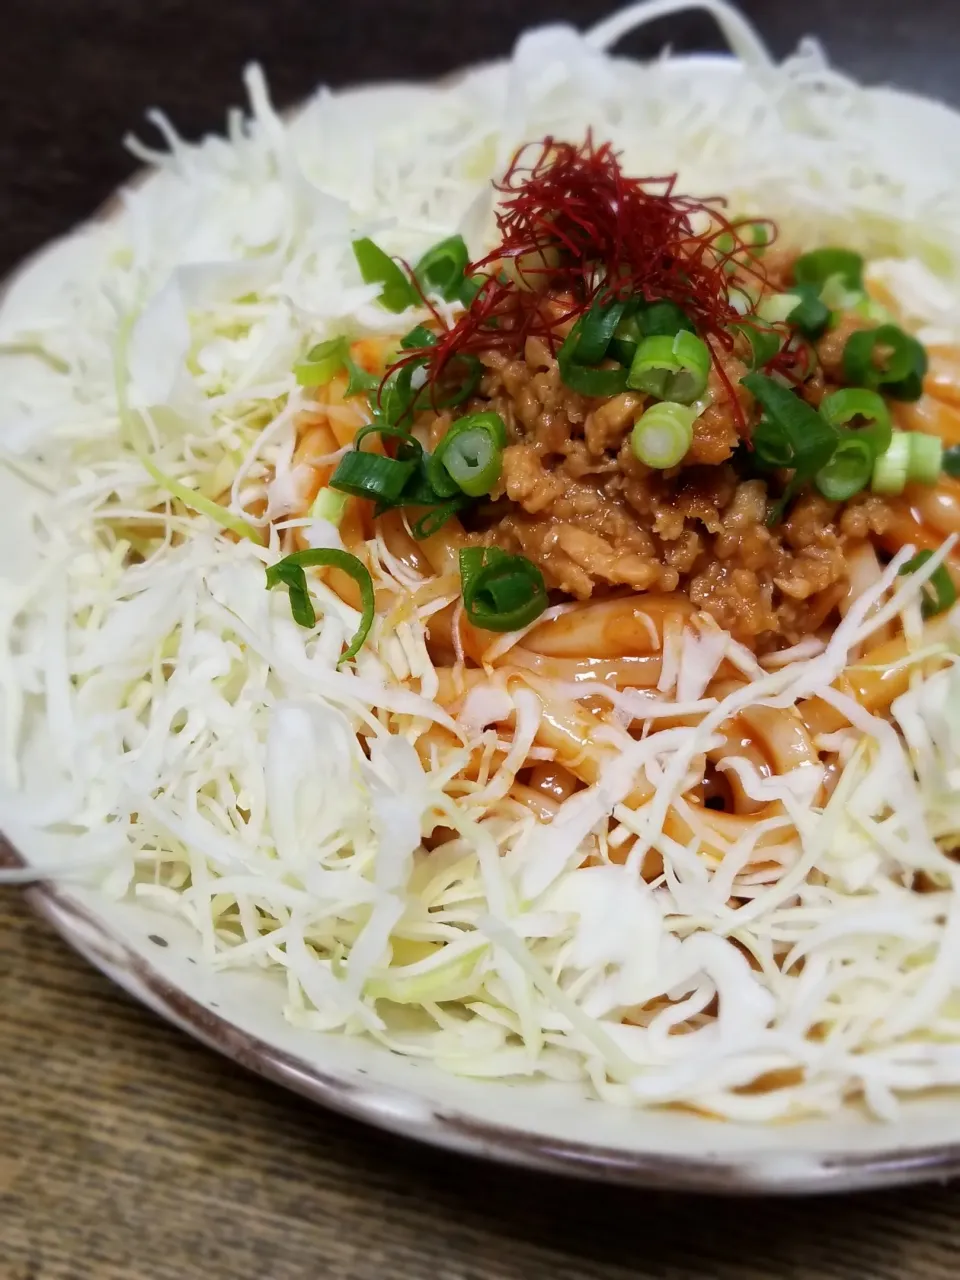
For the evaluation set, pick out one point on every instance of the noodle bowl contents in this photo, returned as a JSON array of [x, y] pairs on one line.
[[500, 579]]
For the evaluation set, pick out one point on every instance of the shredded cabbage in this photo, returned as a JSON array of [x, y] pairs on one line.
[[200, 751]]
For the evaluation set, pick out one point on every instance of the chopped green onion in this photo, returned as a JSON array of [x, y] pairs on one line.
[[358, 380], [951, 460], [663, 434], [450, 393], [792, 434], [816, 268], [840, 408], [775, 308], [663, 319], [409, 448], [419, 336], [371, 475], [586, 379], [627, 335], [470, 287], [891, 469], [501, 592], [289, 570], [395, 397], [329, 505], [441, 268], [434, 519], [939, 592], [838, 297], [886, 357], [674, 368], [926, 458], [764, 342], [376, 267], [597, 328], [323, 362], [470, 456], [811, 316], [801, 307], [848, 470]]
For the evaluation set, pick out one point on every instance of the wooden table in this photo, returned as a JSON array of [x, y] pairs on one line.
[[126, 1151]]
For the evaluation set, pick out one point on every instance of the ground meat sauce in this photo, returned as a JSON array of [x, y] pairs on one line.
[[575, 500]]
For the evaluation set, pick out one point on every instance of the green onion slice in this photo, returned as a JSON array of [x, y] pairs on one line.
[[848, 470], [892, 469], [674, 368], [810, 315], [939, 592], [419, 336], [816, 268], [596, 330], [951, 460], [458, 382], [409, 448], [764, 342], [886, 357], [585, 379], [371, 475], [501, 592], [323, 362], [376, 267], [290, 569], [840, 408], [663, 319], [433, 520], [469, 458], [441, 268], [926, 458], [358, 380], [792, 434], [662, 435]]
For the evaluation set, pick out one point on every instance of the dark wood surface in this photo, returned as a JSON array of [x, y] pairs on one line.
[[126, 1151]]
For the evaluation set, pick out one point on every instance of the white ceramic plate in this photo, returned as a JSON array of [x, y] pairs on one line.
[[538, 1124]]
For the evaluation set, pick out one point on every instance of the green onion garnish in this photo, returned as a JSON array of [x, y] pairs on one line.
[[289, 570], [818, 267], [791, 434], [419, 336], [840, 408], [926, 458], [597, 327], [323, 362], [377, 268], [371, 475], [764, 342], [501, 592], [891, 469], [886, 357], [441, 268], [848, 470], [663, 319], [409, 447], [810, 315], [951, 460], [939, 592], [586, 379], [912, 456], [433, 520], [329, 505], [470, 456], [663, 434], [674, 368]]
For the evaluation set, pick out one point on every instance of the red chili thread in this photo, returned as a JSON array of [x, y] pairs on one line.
[[578, 229]]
